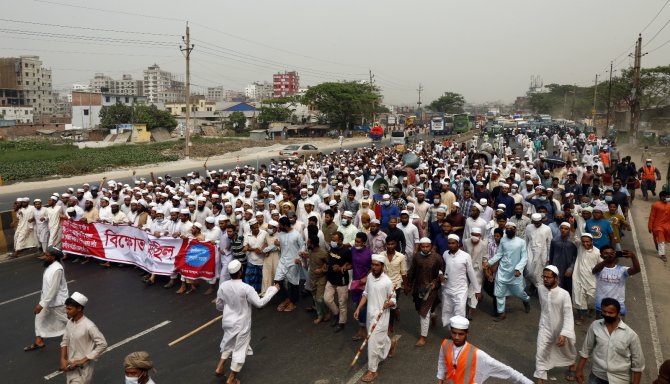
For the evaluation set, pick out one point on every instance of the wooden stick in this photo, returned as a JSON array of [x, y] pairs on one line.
[[193, 332], [372, 328]]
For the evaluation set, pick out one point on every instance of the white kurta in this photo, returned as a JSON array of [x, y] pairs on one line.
[[459, 274], [51, 321], [291, 243], [41, 226], [83, 339], [377, 291], [55, 231], [478, 252], [487, 367], [556, 320], [583, 280], [235, 299], [538, 241], [25, 236]]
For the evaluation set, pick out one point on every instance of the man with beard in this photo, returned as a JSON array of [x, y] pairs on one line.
[[475, 221], [50, 318], [477, 248], [181, 224], [41, 225], [538, 241], [423, 280], [24, 235], [290, 243], [378, 298], [556, 333], [339, 262], [411, 233], [376, 238], [456, 219], [53, 216], [271, 252], [562, 255], [201, 212], [512, 257], [473, 366], [611, 364], [91, 214], [393, 233], [522, 221]]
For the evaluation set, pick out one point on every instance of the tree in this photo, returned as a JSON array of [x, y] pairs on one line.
[[450, 102], [238, 120], [273, 112], [150, 115], [343, 103]]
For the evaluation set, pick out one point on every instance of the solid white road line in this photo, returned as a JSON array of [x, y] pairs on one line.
[[357, 376], [120, 343], [28, 295], [653, 328]]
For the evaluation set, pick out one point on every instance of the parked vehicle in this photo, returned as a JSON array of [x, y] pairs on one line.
[[295, 151], [399, 137]]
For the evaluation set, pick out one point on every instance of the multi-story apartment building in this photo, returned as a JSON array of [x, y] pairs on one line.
[[25, 82], [258, 91], [285, 84], [162, 86]]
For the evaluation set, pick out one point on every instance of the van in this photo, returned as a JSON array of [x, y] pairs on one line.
[[398, 137]]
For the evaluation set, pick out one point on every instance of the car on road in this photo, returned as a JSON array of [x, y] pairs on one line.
[[295, 151]]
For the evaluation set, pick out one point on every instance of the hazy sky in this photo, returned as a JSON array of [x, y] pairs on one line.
[[484, 49]]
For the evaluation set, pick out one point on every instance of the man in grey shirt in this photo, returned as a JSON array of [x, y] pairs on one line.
[[614, 349]]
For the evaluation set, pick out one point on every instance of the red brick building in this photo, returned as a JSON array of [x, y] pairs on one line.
[[285, 84]]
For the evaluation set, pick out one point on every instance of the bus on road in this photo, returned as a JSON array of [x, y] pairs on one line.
[[437, 125], [462, 123]]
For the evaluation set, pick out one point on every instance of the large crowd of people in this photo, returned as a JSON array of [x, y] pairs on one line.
[[442, 223]]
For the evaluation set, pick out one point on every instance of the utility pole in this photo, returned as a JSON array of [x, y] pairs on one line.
[[372, 88], [419, 102], [187, 53], [574, 96], [636, 92], [593, 111], [609, 98]]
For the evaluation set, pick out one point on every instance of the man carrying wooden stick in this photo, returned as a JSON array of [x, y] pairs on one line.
[[379, 295], [235, 299]]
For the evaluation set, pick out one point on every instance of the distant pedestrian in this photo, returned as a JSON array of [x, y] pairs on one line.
[[50, 317], [82, 342]]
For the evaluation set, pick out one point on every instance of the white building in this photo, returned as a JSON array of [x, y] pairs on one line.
[[258, 91], [162, 86], [125, 86], [22, 115], [215, 94], [86, 107]]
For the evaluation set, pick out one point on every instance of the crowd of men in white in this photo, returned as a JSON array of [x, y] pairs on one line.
[[443, 232]]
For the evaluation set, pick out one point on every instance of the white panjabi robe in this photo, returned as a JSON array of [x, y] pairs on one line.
[[51, 321], [377, 291], [25, 236], [556, 320]]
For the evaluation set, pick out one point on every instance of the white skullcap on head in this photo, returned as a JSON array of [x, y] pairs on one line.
[[424, 240], [234, 266], [483, 201], [386, 197], [552, 268], [536, 217], [453, 237], [479, 207], [222, 218], [114, 203], [210, 219], [273, 223], [70, 210], [332, 203], [459, 322], [441, 210], [79, 298], [565, 224], [374, 221], [600, 207], [202, 198], [476, 230], [174, 210], [587, 235], [379, 258], [185, 211], [197, 225], [456, 204], [404, 212], [510, 224]]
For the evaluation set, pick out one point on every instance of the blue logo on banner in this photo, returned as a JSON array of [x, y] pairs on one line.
[[197, 255]]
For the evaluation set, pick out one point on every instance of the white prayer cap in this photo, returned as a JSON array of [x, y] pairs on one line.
[[184, 211], [483, 201], [479, 207], [648, 161], [174, 210], [374, 221], [191, 203], [379, 258], [565, 224], [89, 199], [453, 237], [502, 207], [309, 202], [274, 211], [386, 197], [215, 196], [252, 222], [404, 212], [586, 234], [79, 298], [70, 210], [37, 201], [587, 209], [210, 219], [222, 218], [552, 268], [456, 204], [234, 266], [332, 203], [348, 214], [600, 207], [459, 322], [54, 198], [536, 217], [202, 198], [114, 203], [197, 225], [259, 213], [80, 190], [476, 231], [273, 223], [249, 211], [424, 240], [510, 224]]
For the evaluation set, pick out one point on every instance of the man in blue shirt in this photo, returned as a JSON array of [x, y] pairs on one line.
[[387, 211], [600, 228]]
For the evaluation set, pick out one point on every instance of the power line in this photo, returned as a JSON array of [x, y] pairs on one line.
[[88, 28], [652, 20], [82, 52], [659, 31], [659, 47], [98, 39], [109, 10]]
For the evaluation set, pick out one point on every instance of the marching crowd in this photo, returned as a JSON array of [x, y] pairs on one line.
[[441, 224]]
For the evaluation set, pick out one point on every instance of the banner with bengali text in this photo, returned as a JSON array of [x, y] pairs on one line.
[[130, 245]]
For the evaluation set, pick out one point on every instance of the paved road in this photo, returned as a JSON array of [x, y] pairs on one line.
[[286, 345]]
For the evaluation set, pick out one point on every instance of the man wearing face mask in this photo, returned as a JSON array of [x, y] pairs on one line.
[[608, 364], [512, 258], [411, 233], [648, 175], [538, 240], [339, 262], [423, 280], [137, 366], [347, 229], [477, 248], [387, 211], [271, 252], [459, 276]]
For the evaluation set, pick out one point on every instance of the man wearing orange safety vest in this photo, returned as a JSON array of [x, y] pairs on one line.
[[648, 175], [462, 363]]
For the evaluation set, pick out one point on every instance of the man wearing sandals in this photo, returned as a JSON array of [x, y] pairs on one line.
[[50, 317], [379, 295]]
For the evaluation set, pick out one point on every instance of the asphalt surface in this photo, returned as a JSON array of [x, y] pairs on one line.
[[288, 348]]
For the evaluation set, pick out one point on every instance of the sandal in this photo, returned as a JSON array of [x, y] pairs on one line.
[[570, 375], [33, 347], [369, 377], [663, 257]]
